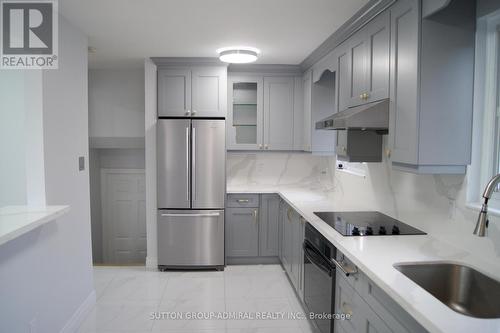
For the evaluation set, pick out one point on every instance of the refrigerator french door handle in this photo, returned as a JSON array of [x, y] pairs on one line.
[[189, 215], [194, 163], [188, 192]]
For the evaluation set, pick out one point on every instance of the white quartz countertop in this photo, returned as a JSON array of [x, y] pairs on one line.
[[18, 220], [375, 256]]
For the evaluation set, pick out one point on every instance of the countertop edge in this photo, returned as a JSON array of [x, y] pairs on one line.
[[44, 214]]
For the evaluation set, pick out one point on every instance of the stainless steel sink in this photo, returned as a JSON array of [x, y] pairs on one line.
[[461, 288]]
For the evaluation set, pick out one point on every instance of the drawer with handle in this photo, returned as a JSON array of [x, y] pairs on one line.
[[242, 200]]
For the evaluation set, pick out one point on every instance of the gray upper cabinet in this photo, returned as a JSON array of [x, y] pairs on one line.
[[242, 232], [431, 105], [174, 92], [278, 113], [362, 64], [404, 79], [262, 112], [245, 116], [368, 70], [268, 225], [307, 99], [359, 62], [209, 91], [198, 91], [343, 62], [377, 69]]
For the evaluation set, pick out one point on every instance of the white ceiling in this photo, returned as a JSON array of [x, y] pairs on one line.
[[124, 32]]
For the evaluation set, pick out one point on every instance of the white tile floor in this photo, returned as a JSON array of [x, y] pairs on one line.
[[127, 297]]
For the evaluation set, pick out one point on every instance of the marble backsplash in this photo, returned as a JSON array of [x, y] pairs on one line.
[[280, 169], [434, 203]]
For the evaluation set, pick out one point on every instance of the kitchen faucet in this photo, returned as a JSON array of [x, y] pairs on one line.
[[482, 220]]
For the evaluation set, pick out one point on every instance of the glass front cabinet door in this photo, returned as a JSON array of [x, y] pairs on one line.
[[245, 118]]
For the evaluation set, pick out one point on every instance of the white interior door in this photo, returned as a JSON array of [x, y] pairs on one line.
[[123, 215]]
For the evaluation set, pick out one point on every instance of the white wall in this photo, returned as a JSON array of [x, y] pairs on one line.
[[116, 103], [21, 138], [46, 275]]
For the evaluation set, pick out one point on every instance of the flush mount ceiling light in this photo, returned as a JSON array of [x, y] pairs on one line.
[[238, 54]]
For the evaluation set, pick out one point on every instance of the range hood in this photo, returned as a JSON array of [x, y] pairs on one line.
[[373, 116]]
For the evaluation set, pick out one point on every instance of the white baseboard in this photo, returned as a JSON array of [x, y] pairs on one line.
[[152, 263], [80, 314]]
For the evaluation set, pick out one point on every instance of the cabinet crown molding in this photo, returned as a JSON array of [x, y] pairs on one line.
[[187, 61]]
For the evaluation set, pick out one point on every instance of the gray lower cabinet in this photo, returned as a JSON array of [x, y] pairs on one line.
[[371, 309], [292, 235], [252, 228], [242, 232], [268, 225], [287, 238], [297, 257], [364, 319]]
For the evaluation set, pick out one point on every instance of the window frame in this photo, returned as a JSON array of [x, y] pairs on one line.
[[486, 124]]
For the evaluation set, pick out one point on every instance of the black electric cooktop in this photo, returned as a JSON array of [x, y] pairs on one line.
[[366, 224]]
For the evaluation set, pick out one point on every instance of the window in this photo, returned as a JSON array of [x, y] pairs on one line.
[[486, 134]]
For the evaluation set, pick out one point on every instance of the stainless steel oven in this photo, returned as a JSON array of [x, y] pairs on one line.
[[319, 277]]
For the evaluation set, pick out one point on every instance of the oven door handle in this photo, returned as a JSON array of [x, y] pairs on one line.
[[317, 259]]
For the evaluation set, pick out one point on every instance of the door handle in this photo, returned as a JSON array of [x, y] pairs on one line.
[[194, 163], [242, 201], [188, 192], [189, 215], [344, 268], [255, 216]]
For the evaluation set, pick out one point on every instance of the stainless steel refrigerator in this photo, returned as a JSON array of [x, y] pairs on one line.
[[191, 173]]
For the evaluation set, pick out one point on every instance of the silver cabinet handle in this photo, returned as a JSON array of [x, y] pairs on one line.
[[193, 112], [255, 216], [190, 215], [188, 112], [345, 269], [187, 166], [194, 163], [242, 201]]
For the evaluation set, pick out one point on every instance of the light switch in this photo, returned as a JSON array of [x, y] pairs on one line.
[[81, 163]]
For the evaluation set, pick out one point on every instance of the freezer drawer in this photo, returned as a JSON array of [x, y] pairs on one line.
[[190, 238]]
